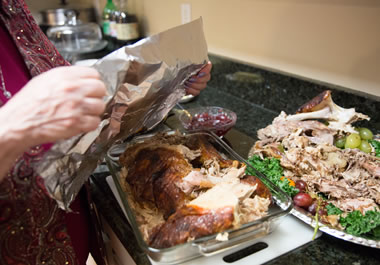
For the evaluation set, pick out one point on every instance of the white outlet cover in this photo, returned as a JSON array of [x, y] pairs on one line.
[[185, 13]]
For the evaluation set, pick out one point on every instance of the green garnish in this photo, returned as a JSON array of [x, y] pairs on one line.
[[322, 195], [354, 223], [358, 224], [272, 169], [333, 210], [316, 219], [376, 145], [281, 148]]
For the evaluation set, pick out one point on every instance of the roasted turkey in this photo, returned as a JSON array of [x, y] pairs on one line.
[[154, 170], [182, 188]]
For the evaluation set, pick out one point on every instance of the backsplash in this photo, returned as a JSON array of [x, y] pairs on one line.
[[276, 91]]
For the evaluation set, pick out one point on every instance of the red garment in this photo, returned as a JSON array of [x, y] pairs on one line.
[[12, 65], [33, 230]]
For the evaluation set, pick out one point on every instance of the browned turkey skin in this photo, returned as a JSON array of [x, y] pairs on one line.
[[261, 189], [156, 177], [153, 175], [208, 152], [191, 222]]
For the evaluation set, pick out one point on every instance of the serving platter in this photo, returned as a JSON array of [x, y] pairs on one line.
[[306, 217], [323, 161], [303, 216]]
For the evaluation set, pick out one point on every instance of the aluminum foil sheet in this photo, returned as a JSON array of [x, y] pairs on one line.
[[144, 81]]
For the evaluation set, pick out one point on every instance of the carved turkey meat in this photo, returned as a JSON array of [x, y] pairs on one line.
[[182, 188], [348, 177]]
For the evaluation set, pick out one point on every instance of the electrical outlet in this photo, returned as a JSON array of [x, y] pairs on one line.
[[185, 13]]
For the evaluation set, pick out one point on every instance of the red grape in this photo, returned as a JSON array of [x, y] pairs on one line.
[[301, 185], [322, 211], [303, 200], [313, 207]]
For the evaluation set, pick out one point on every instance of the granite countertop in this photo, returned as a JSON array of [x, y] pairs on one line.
[[257, 96]]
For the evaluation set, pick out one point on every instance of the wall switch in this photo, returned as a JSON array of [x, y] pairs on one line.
[[185, 13]]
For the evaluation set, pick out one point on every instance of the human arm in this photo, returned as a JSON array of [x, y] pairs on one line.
[[197, 83], [58, 104]]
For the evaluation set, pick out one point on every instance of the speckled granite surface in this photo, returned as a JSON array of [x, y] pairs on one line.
[[257, 96], [248, 89]]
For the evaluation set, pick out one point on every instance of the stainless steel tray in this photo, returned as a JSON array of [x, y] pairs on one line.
[[208, 245], [303, 216]]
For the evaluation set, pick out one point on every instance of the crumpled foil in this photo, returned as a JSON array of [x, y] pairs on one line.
[[144, 81]]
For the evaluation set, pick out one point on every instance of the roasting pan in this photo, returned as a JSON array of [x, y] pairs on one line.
[[207, 245]]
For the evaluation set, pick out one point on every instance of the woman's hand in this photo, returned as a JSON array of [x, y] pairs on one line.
[[55, 105], [197, 83]]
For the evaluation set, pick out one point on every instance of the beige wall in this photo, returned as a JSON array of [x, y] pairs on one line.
[[334, 41], [36, 6]]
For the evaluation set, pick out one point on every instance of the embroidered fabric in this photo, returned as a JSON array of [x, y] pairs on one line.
[[32, 227], [3, 88]]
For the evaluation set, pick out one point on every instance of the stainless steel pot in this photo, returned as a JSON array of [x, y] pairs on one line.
[[56, 17]]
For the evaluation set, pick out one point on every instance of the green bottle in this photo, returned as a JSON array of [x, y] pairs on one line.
[[107, 11]]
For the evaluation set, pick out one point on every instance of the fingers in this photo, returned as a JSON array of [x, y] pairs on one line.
[[85, 90], [73, 125], [58, 104], [202, 77], [91, 87], [88, 123], [195, 88], [77, 72], [92, 106], [204, 74], [195, 84], [207, 68], [192, 91]]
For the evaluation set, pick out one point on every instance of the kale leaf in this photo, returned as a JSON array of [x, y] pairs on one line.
[[272, 169], [376, 145], [333, 210], [358, 224]]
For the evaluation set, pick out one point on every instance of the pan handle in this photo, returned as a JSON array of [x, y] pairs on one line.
[[212, 247]]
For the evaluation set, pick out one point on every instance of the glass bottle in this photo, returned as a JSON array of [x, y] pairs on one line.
[[107, 11], [113, 18], [126, 26]]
